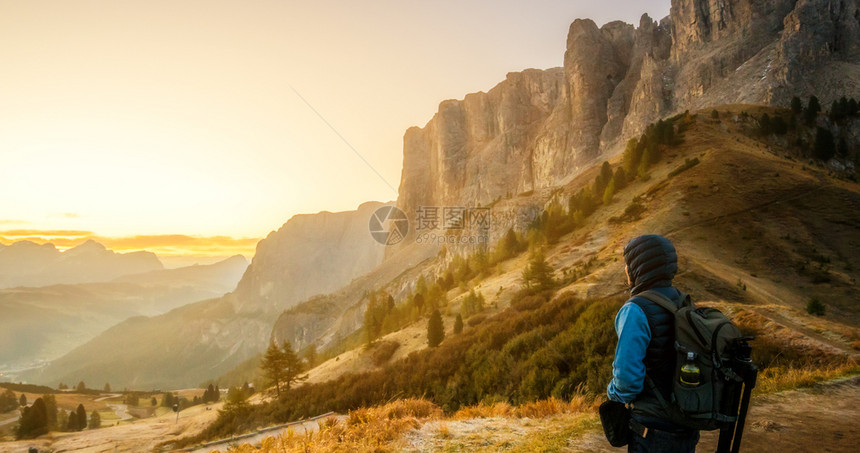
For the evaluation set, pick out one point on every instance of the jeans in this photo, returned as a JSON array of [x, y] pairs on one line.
[[662, 442]]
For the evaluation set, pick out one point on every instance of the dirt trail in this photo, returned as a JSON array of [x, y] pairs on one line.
[[819, 419], [11, 420]]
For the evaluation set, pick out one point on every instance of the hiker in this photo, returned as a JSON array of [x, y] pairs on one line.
[[645, 356]]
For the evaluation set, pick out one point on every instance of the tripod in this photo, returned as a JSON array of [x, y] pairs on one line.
[[730, 435]]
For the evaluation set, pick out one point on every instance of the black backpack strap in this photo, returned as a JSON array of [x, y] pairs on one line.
[[664, 301]]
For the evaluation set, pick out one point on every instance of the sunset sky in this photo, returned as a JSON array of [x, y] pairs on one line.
[[179, 126]]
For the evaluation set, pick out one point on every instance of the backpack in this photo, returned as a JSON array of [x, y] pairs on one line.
[[714, 338]]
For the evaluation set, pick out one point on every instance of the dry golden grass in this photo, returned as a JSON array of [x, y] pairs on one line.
[[536, 409], [777, 379], [485, 411], [373, 429]]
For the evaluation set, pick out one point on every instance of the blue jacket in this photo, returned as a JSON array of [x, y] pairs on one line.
[[645, 340], [634, 337]]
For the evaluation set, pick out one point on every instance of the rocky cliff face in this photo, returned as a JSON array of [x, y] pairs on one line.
[[309, 255], [537, 128]]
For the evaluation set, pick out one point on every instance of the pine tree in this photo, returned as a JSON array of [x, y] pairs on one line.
[[72, 424], [33, 422], [815, 307], [107, 387], [236, 399], [764, 125], [273, 366], [609, 193], [812, 109], [62, 420], [418, 301], [81, 386], [51, 410], [167, 400], [292, 365], [458, 324], [81, 417], [824, 146], [602, 179], [310, 356], [620, 178], [842, 147], [154, 402], [95, 420], [435, 329], [8, 401], [796, 105], [23, 400], [538, 274], [632, 156]]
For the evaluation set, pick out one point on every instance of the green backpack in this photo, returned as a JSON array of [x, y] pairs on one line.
[[705, 340]]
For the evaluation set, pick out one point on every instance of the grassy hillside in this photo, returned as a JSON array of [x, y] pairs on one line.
[[187, 344], [760, 228]]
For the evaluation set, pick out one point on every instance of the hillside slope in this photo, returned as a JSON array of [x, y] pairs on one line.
[[308, 255], [42, 324], [753, 223], [760, 230]]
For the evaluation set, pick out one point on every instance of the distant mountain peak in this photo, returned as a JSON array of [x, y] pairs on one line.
[[89, 245]]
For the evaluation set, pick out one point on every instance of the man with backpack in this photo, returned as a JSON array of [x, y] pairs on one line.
[[645, 358]]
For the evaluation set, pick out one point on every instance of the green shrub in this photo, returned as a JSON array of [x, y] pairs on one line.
[[815, 307]]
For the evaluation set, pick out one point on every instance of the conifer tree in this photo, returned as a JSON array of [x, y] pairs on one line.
[[62, 420], [458, 324], [796, 105], [764, 124], [8, 401], [292, 365], [538, 274], [95, 420], [33, 421], [824, 146], [812, 109], [23, 400], [310, 356], [72, 424], [620, 178], [435, 329], [609, 193], [81, 417], [273, 366], [50, 410]]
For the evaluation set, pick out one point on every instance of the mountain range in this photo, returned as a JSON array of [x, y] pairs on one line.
[[26, 263], [525, 144], [40, 324]]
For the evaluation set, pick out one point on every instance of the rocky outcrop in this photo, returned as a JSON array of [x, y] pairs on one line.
[[538, 128], [309, 255]]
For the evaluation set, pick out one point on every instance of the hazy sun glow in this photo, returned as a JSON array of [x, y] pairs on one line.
[[130, 120]]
